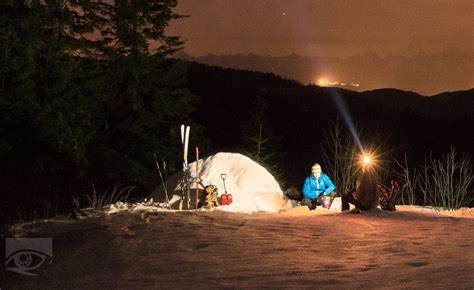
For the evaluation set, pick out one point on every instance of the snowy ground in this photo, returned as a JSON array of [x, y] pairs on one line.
[[414, 247]]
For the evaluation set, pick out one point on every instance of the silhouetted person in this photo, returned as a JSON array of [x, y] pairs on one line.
[[365, 194]]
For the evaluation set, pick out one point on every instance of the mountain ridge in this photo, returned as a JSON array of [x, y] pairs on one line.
[[295, 117], [427, 75]]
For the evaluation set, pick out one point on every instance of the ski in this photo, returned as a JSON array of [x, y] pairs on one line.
[[186, 143], [182, 135], [185, 186], [188, 174], [182, 177]]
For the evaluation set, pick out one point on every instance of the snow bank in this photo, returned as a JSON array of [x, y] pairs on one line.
[[147, 205], [252, 187]]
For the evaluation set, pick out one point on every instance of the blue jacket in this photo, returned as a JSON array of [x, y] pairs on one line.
[[313, 188]]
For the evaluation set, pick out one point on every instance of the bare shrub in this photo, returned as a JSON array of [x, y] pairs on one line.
[[410, 181], [339, 154], [111, 195], [446, 182]]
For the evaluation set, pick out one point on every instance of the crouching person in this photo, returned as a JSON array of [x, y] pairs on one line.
[[365, 194], [318, 189]]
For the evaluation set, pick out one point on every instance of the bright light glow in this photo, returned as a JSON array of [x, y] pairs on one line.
[[367, 159], [323, 82], [326, 202], [326, 83]]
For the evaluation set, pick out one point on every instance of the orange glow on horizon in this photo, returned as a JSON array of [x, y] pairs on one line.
[[325, 82]]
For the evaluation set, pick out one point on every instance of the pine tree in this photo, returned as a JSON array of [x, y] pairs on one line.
[[145, 88], [262, 144], [45, 116], [84, 96]]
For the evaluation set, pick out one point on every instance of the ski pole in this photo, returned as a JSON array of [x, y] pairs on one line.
[[197, 177], [162, 180]]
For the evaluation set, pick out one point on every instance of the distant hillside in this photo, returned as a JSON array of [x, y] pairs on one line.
[[425, 73], [294, 117], [450, 105]]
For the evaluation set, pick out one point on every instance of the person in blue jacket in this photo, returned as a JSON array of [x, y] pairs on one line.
[[316, 187]]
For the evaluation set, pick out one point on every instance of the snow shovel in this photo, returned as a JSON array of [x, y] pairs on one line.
[[226, 198]]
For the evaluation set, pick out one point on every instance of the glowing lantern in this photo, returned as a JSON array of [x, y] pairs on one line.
[[367, 160]]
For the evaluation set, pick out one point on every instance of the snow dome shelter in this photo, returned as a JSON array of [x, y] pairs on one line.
[[253, 188]]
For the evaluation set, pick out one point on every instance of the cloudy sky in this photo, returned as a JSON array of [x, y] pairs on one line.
[[329, 28], [332, 28]]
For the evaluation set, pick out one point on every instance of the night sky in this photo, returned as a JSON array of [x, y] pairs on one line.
[[439, 32]]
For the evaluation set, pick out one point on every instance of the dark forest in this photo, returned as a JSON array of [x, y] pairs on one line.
[[80, 113]]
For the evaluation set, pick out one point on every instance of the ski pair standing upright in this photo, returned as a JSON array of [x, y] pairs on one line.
[[186, 178]]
